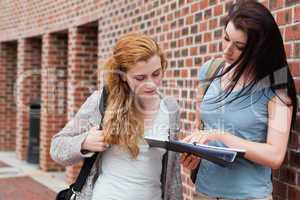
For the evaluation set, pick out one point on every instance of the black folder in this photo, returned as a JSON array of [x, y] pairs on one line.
[[222, 156]]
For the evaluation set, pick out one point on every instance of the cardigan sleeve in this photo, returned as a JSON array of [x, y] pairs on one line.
[[66, 144], [173, 188]]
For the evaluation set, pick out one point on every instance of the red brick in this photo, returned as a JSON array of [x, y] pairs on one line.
[[297, 84], [288, 50], [191, 116], [213, 24], [207, 37], [297, 14], [189, 62], [189, 20], [212, 48], [295, 158], [184, 73], [218, 10], [297, 50], [276, 4], [195, 7], [293, 32], [293, 193], [193, 51], [295, 68], [203, 26], [279, 189], [294, 142], [284, 17], [203, 4], [291, 2]]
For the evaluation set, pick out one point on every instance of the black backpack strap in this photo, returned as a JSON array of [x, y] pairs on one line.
[[163, 176], [103, 104], [88, 162]]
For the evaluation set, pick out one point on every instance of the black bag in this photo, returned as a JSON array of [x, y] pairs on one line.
[[74, 189], [66, 194]]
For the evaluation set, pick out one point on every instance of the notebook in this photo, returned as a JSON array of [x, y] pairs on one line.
[[222, 156]]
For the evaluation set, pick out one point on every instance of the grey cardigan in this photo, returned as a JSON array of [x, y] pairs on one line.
[[66, 146]]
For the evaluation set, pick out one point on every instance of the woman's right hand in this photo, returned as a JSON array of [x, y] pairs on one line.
[[189, 161], [94, 142]]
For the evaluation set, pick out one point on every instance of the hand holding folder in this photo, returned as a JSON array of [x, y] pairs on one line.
[[222, 156]]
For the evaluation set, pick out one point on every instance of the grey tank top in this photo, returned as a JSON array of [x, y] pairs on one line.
[[125, 178]]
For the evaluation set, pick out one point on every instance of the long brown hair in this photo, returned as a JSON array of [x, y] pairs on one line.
[[123, 124], [264, 56]]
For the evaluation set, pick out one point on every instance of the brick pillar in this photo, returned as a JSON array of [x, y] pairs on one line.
[[82, 73], [28, 89], [2, 96], [8, 66], [54, 94]]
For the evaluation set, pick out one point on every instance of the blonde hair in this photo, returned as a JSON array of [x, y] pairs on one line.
[[124, 124]]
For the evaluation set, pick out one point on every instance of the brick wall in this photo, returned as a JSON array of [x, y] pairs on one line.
[[53, 93], [8, 66], [82, 72], [28, 89], [190, 31]]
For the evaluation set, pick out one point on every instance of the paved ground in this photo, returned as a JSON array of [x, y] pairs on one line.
[[22, 181], [24, 188]]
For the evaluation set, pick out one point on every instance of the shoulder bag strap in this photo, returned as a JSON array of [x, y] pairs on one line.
[[88, 162]]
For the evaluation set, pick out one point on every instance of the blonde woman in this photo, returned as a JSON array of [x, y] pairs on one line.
[[126, 167]]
